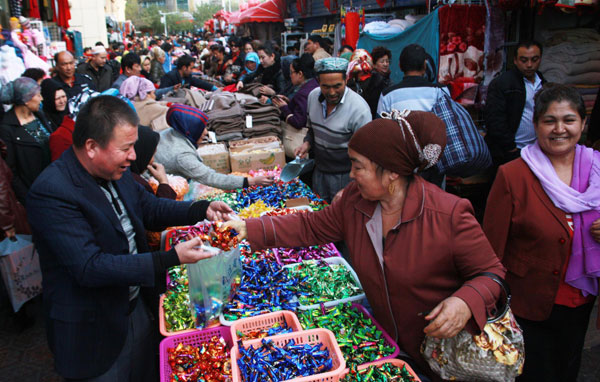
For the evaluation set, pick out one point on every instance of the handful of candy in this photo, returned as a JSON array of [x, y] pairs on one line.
[[211, 233], [210, 362]]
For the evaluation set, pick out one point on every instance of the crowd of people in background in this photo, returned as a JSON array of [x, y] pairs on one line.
[[339, 97]]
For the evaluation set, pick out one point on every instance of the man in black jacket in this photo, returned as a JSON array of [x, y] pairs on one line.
[[97, 69], [74, 82], [509, 105], [183, 75]]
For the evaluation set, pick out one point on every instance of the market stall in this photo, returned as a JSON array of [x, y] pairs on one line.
[[269, 301], [264, 21]]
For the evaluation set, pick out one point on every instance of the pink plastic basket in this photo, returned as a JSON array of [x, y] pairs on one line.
[[387, 337], [310, 337], [395, 362], [264, 321], [196, 338]]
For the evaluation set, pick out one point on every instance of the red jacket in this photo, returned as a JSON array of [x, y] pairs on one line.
[[531, 237], [62, 138], [427, 258]]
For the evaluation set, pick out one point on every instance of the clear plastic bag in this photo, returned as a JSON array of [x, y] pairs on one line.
[[212, 281]]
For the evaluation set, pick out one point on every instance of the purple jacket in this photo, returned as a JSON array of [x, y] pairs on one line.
[[297, 108]]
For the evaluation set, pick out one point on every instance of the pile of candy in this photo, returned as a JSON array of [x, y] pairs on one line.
[[209, 363], [277, 328], [265, 287], [272, 363], [254, 210], [276, 194], [211, 234], [284, 211], [285, 256], [358, 337], [321, 282], [384, 373], [177, 300], [275, 173]]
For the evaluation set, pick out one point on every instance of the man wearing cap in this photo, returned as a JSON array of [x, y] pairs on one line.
[[335, 112], [313, 46], [100, 73]]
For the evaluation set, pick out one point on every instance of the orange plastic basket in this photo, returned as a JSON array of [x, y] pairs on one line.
[[393, 361], [310, 337], [162, 325], [265, 321]]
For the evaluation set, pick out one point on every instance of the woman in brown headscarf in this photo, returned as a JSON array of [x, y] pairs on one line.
[[413, 246]]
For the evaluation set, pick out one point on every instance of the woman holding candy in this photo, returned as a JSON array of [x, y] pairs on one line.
[[415, 248]]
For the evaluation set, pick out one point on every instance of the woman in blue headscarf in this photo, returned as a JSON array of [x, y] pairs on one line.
[[177, 151], [251, 63]]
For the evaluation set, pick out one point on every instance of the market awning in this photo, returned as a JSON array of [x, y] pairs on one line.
[[271, 11], [234, 17]]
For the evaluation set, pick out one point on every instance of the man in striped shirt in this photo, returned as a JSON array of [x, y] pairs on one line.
[[335, 112]]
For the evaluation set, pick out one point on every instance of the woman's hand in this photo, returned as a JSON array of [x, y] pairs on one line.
[[278, 101], [11, 233], [218, 211], [157, 170], [239, 226], [260, 181], [449, 317], [595, 230], [239, 85]]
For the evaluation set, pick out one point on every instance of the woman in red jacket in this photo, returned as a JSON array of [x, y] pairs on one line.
[[13, 218], [416, 249], [543, 220]]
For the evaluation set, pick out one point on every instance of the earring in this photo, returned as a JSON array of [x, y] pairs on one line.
[[391, 188]]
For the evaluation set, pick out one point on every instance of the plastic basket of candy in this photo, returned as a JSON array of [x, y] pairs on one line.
[[265, 325], [201, 353], [338, 287], [383, 370], [310, 355], [166, 330], [359, 336]]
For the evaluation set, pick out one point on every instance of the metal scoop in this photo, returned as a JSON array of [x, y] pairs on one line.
[[295, 168]]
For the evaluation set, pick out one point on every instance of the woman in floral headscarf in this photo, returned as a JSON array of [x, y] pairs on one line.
[[369, 75], [412, 245], [143, 95], [26, 133]]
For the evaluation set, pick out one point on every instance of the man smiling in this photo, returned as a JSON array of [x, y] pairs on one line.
[[88, 217], [335, 112]]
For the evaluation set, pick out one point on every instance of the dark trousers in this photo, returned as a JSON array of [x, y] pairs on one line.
[[136, 362], [553, 347]]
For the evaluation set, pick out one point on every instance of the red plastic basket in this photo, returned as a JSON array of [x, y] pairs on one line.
[[395, 362], [310, 337], [196, 338], [264, 321]]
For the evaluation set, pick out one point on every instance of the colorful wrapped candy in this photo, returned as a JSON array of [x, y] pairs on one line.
[[356, 334], [387, 372], [254, 210], [208, 362], [264, 287], [270, 362], [277, 328], [320, 282]]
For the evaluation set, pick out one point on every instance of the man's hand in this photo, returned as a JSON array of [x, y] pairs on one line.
[[239, 85], [157, 170], [239, 226], [302, 151], [595, 230], [218, 211], [449, 317], [263, 99], [176, 86], [266, 90], [260, 180], [189, 251]]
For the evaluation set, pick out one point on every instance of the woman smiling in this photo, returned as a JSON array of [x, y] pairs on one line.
[[543, 220]]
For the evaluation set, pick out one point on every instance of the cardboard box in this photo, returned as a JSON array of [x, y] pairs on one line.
[[215, 156], [256, 153]]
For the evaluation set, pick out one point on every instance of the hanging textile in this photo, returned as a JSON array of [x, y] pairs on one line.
[[462, 37], [425, 32], [494, 44], [62, 13], [15, 8], [352, 21], [34, 9]]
